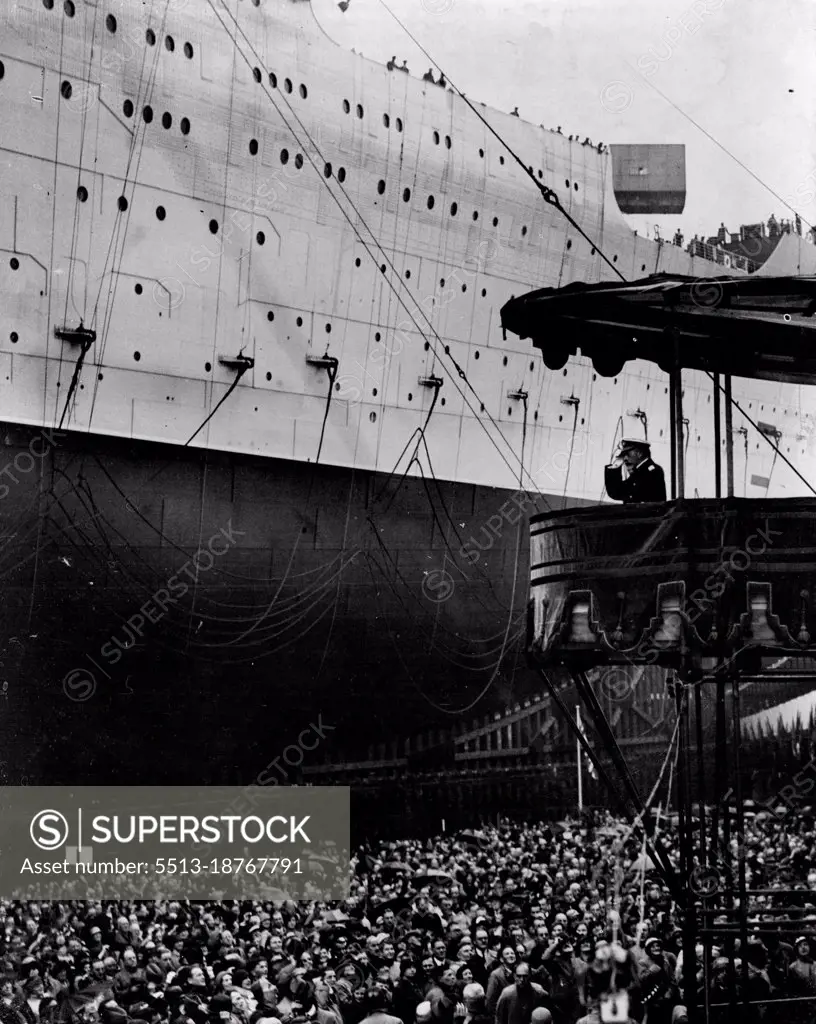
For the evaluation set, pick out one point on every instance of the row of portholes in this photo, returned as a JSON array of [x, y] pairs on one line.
[[147, 113], [257, 74], [68, 7], [386, 118], [169, 43]]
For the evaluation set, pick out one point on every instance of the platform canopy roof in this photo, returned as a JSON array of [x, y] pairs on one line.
[[747, 326]]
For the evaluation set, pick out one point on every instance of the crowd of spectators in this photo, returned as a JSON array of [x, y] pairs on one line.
[[521, 924]]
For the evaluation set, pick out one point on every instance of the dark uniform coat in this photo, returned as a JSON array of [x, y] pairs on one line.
[[644, 483]]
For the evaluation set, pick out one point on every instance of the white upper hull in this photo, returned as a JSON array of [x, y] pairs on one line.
[[278, 278]]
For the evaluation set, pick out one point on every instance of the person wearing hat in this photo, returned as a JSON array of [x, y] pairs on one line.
[[802, 977], [644, 480]]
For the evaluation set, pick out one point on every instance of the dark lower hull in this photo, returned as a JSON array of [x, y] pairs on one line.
[[323, 598]]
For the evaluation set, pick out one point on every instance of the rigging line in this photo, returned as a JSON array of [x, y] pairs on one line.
[[85, 345], [709, 136], [337, 594], [290, 603], [549, 194], [460, 371], [74, 226], [775, 447], [332, 372], [131, 507], [571, 450], [411, 461], [398, 574], [223, 399], [136, 144], [420, 691]]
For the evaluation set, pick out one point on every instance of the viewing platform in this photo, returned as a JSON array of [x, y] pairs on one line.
[[689, 582]]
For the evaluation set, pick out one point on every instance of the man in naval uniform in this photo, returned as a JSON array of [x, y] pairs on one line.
[[644, 479]]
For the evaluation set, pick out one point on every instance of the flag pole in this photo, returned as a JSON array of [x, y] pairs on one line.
[[579, 755]]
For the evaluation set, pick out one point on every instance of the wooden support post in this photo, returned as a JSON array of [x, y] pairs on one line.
[[717, 438], [729, 439]]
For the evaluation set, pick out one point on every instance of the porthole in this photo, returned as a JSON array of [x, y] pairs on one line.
[[386, 121], [69, 8], [137, 356], [380, 186], [341, 175], [360, 111], [481, 407], [14, 263], [161, 213], [615, 258], [476, 354], [495, 222], [406, 195], [382, 268], [448, 145], [167, 120], [569, 243], [464, 288], [475, 214], [284, 156], [410, 397], [532, 367], [122, 203], [481, 153], [427, 345], [299, 321], [524, 232], [377, 336], [287, 84], [484, 292], [48, 4], [327, 170], [357, 262], [127, 108], [454, 209], [303, 92], [328, 328], [430, 202], [110, 23], [273, 79], [441, 282], [138, 289], [374, 393], [399, 124], [372, 417], [188, 51], [150, 36], [147, 114], [270, 316], [407, 275], [566, 182], [213, 227], [14, 336], [541, 175], [346, 107], [253, 147], [298, 160], [575, 185], [504, 361], [82, 194], [268, 375], [66, 90], [256, 74], [184, 125], [436, 138], [169, 44], [501, 160], [207, 367], [260, 238]]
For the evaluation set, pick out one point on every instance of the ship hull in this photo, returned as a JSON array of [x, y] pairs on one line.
[[225, 604]]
